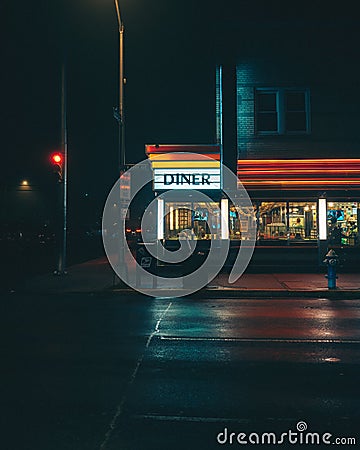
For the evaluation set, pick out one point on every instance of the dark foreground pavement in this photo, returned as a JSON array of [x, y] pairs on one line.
[[97, 276], [129, 372]]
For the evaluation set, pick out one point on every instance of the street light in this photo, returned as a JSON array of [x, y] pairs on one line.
[[120, 117], [119, 112]]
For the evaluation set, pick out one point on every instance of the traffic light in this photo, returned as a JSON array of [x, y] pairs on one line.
[[57, 161]]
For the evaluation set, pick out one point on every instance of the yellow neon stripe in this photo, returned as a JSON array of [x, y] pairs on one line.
[[185, 164], [184, 157]]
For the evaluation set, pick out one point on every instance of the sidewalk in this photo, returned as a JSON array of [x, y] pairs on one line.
[[92, 276], [97, 276], [294, 282]]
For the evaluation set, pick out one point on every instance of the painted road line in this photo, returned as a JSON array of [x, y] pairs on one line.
[[274, 340]]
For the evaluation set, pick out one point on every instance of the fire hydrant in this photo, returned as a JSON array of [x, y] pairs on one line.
[[331, 260]]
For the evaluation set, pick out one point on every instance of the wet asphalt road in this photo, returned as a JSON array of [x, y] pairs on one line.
[[133, 373]]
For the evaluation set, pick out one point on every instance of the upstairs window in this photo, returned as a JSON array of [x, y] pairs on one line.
[[282, 111], [267, 112]]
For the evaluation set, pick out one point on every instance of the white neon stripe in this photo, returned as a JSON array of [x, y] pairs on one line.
[[190, 171], [171, 214], [224, 218], [322, 219], [160, 218], [213, 187], [176, 219]]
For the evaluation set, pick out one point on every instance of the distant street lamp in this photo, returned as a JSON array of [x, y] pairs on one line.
[[119, 111], [24, 186]]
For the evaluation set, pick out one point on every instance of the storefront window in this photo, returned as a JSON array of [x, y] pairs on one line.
[[178, 218], [302, 221], [241, 222], [343, 223], [234, 224], [282, 221], [287, 221], [272, 220], [202, 218]]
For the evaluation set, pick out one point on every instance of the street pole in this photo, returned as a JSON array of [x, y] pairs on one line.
[[61, 270], [120, 114]]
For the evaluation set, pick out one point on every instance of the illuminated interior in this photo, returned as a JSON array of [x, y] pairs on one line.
[[343, 223], [287, 220], [203, 219]]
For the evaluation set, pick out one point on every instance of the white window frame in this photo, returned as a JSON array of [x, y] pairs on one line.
[[281, 110]]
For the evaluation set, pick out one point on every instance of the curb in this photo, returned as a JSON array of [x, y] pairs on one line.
[[204, 293], [209, 292], [242, 293]]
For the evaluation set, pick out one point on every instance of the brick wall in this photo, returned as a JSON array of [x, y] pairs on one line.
[[334, 106]]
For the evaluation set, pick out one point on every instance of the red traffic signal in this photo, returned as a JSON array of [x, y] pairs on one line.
[[57, 158], [57, 161]]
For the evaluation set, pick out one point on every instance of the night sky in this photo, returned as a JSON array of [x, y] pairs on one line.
[[171, 50]]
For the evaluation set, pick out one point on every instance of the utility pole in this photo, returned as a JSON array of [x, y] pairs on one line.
[[119, 112], [61, 269]]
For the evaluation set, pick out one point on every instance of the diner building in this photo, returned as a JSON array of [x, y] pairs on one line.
[[295, 201], [287, 125]]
